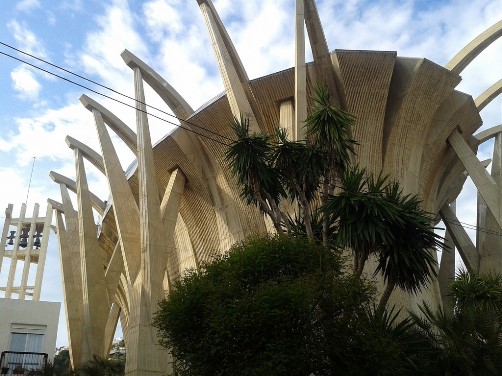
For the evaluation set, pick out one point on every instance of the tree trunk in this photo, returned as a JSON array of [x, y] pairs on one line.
[[277, 216], [325, 220], [359, 266], [273, 216], [385, 298]]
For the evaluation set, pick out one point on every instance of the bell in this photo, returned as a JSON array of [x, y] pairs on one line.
[[37, 236], [24, 242], [11, 237], [23, 238]]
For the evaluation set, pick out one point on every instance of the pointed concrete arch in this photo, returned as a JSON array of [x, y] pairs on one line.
[[97, 203], [89, 154], [462, 59], [192, 147], [169, 95], [119, 127]]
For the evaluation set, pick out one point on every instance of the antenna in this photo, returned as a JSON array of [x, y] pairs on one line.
[[29, 183]]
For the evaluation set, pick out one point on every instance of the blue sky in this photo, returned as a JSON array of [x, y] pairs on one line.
[[37, 111]]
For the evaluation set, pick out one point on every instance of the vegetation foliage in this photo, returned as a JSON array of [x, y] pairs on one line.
[[275, 306]]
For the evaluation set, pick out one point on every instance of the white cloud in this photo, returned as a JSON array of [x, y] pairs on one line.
[[71, 5], [101, 54], [43, 135], [51, 18], [27, 40], [27, 5], [25, 83]]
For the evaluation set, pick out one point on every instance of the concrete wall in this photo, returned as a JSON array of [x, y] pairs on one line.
[[29, 313]]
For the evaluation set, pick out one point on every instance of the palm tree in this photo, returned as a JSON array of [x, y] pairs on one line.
[[300, 167], [329, 128], [249, 158], [373, 217], [360, 215], [468, 341], [407, 261], [472, 291], [465, 343]]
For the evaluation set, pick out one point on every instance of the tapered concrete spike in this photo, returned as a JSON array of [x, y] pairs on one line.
[[96, 300], [325, 72], [126, 214], [235, 79]]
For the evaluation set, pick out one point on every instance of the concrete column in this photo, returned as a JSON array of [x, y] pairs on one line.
[[27, 256], [43, 254], [447, 267], [125, 208], [111, 326], [114, 270], [5, 232], [300, 74], [95, 295], [325, 73], [232, 71], [13, 261], [490, 245], [170, 208], [144, 356], [462, 241], [483, 181], [72, 285]]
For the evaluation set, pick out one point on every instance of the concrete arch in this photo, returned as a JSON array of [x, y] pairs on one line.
[[488, 95], [463, 58], [72, 186], [169, 95], [488, 133], [119, 127], [89, 154], [190, 145]]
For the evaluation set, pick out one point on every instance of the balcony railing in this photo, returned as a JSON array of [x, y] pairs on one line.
[[21, 363]]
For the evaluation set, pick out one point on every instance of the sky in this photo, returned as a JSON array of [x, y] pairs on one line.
[[38, 111]]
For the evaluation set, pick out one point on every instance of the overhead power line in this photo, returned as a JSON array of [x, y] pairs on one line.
[[453, 221], [115, 99]]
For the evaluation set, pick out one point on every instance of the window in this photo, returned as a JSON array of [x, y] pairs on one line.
[[26, 342], [26, 339]]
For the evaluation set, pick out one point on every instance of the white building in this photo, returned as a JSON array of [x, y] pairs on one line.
[[27, 325]]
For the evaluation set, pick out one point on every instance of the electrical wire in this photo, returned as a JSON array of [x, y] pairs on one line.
[[108, 88], [453, 221], [124, 103]]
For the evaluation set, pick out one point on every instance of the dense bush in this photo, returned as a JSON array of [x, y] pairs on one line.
[[281, 306]]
